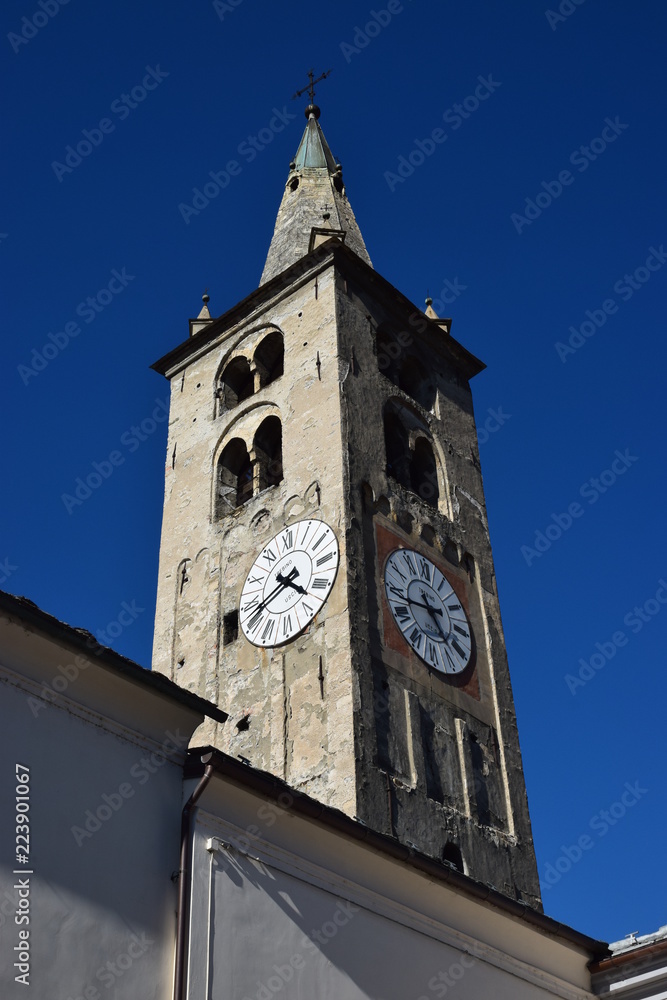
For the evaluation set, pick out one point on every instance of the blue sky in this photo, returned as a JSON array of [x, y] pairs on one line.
[[537, 217]]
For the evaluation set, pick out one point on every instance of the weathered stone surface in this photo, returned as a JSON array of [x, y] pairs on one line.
[[426, 758]]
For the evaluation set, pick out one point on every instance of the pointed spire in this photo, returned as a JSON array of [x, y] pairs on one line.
[[204, 317], [314, 199], [204, 313], [430, 311], [444, 324]]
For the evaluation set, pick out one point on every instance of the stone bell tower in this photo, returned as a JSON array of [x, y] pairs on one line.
[[326, 573]]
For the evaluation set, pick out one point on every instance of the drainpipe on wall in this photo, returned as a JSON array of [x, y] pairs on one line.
[[185, 880]]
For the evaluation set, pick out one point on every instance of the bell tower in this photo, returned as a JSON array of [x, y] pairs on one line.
[[326, 573]]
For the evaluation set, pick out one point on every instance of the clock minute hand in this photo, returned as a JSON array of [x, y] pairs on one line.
[[427, 607], [287, 581], [433, 611], [284, 581]]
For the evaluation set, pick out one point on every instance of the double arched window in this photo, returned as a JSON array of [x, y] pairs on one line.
[[241, 377], [243, 473], [410, 456], [236, 383], [269, 359]]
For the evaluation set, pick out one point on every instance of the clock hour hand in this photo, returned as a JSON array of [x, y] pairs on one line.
[[427, 607], [287, 581], [433, 611], [284, 581]]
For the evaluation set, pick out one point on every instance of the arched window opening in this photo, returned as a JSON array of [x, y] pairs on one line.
[[236, 383], [234, 477], [269, 358], [413, 379], [398, 452], [268, 447], [424, 472], [451, 855]]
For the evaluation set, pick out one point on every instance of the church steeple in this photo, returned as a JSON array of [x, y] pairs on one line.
[[314, 203], [326, 574]]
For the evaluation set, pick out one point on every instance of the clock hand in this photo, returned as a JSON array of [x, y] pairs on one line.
[[433, 611], [287, 581], [428, 607]]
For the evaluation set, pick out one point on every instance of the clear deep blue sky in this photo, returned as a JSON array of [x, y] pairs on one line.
[[218, 76]]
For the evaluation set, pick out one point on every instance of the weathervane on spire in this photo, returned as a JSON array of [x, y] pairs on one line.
[[311, 91]]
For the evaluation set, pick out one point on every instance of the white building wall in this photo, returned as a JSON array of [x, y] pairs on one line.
[[283, 908], [104, 819]]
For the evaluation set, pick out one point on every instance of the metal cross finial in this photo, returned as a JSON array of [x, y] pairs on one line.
[[311, 86]]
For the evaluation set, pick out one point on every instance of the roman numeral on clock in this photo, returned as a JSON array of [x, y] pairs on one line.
[[270, 556], [268, 629], [409, 563], [288, 540], [416, 638], [287, 624], [449, 658], [256, 620], [319, 541], [424, 570], [402, 613], [324, 559], [320, 583], [458, 649]]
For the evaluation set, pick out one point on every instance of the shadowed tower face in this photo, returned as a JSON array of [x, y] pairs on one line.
[[326, 573]]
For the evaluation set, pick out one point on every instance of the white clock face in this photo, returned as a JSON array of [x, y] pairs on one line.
[[289, 582], [427, 611]]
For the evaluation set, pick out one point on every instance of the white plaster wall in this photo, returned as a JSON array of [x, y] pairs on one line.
[[285, 908], [108, 899]]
